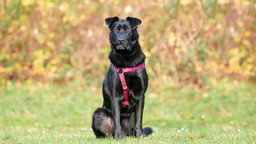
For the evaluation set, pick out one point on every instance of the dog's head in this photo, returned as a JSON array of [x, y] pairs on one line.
[[123, 33]]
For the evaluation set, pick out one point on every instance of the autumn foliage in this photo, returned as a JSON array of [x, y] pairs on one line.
[[185, 41]]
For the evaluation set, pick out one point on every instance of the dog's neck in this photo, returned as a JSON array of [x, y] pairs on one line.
[[131, 59]]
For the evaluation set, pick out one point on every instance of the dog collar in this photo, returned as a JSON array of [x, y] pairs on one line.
[[120, 72]]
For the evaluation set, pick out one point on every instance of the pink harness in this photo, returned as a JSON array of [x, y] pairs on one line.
[[120, 72]]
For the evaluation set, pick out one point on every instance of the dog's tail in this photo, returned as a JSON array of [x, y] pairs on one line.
[[147, 131]]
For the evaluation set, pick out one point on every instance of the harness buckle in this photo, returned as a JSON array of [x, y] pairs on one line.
[[120, 71]]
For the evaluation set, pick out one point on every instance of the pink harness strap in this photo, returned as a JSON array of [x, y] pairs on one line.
[[120, 72]]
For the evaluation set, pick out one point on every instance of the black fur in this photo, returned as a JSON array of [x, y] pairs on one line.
[[115, 119]]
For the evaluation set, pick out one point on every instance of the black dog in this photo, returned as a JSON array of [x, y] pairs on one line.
[[125, 84]]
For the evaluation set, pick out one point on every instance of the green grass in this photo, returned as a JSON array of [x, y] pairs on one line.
[[44, 113]]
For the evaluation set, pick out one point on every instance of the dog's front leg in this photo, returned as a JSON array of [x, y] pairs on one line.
[[139, 114], [116, 117]]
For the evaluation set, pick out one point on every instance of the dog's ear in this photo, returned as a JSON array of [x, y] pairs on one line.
[[134, 22], [111, 20]]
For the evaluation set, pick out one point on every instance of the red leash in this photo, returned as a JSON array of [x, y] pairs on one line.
[[120, 72]]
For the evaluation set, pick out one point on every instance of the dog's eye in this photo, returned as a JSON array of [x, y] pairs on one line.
[[127, 30], [116, 30]]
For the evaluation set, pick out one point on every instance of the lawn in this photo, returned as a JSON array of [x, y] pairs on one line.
[[223, 112]]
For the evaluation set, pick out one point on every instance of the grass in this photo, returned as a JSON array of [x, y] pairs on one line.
[[46, 113]]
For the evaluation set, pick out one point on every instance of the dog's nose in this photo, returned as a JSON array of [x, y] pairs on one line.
[[121, 41]]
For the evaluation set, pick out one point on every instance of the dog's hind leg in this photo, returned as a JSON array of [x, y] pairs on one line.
[[102, 123]]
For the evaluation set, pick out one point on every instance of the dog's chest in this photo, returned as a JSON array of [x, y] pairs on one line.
[[135, 85]]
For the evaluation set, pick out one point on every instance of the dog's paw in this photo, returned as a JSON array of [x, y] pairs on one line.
[[117, 135], [139, 134]]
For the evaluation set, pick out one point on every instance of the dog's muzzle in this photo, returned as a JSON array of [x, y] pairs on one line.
[[122, 45]]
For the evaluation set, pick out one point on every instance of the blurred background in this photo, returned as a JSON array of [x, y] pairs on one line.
[[201, 62], [195, 42]]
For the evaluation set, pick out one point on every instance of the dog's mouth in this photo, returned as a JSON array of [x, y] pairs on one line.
[[123, 48]]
